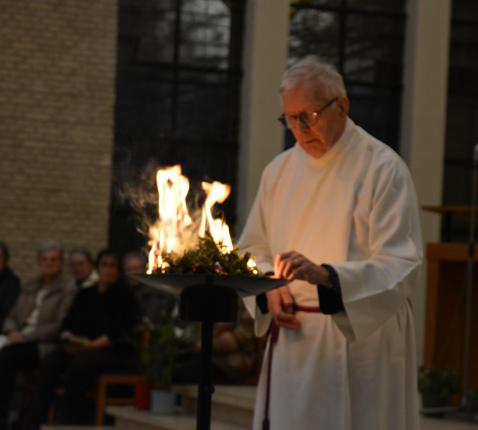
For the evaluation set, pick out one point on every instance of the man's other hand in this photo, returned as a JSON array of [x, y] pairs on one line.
[[294, 266], [281, 306]]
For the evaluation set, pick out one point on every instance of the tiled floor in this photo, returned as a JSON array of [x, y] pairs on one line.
[[426, 424]]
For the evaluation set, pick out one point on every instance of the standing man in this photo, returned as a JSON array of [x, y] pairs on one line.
[[337, 216]]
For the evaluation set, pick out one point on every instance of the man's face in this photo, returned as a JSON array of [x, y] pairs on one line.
[[108, 270], [49, 263], [319, 138], [133, 266], [80, 267]]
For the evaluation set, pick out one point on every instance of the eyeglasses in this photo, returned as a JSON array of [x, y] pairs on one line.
[[307, 118]]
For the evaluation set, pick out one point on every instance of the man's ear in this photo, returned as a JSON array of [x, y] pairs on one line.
[[344, 105]]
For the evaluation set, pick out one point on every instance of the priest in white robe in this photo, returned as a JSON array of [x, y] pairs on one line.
[[337, 216]]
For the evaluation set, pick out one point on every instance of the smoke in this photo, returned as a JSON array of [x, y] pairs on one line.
[[135, 190]]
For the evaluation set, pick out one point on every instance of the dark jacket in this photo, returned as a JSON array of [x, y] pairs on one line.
[[9, 291], [114, 313]]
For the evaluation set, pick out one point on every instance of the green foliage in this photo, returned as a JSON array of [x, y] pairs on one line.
[[437, 386], [206, 257], [158, 354], [471, 404]]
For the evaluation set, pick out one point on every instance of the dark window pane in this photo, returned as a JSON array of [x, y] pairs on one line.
[[462, 114], [178, 86], [314, 32], [374, 48], [390, 6], [203, 101], [205, 31], [364, 40], [329, 3], [377, 110]]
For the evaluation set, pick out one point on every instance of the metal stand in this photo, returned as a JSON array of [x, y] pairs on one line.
[[208, 298], [207, 304], [469, 281], [205, 388]]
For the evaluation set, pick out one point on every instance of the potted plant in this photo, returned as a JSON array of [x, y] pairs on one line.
[[471, 403], [157, 362], [437, 387], [142, 388]]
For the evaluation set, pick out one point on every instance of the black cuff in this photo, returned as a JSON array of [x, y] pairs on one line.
[[261, 302], [330, 299]]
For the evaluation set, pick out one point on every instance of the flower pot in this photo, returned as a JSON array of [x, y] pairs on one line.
[[142, 396], [163, 402]]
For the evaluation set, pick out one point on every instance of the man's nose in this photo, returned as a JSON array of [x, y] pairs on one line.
[[296, 124]]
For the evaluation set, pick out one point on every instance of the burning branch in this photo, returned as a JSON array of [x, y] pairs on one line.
[[172, 237]]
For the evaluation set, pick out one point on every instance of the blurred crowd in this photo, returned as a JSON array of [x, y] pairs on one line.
[[64, 328]]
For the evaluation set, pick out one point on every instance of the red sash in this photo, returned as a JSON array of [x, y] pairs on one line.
[[273, 337]]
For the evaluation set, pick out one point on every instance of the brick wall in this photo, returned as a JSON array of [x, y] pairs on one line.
[[57, 87]]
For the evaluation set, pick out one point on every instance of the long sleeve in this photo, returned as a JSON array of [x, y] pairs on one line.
[[254, 240], [373, 289], [330, 299]]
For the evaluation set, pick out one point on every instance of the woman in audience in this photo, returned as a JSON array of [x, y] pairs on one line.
[[82, 267], [32, 325], [96, 338]]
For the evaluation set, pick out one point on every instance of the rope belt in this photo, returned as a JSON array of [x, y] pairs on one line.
[[273, 337]]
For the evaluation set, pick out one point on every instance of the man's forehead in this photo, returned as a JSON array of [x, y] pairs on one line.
[[304, 93]]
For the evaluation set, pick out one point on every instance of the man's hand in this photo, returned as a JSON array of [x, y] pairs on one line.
[[281, 306], [98, 343], [15, 337], [293, 265]]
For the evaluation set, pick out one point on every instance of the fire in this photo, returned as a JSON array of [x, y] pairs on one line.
[[216, 193], [173, 221], [174, 230]]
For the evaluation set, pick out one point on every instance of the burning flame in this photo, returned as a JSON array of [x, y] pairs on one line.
[[216, 193], [173, 213], [173, 231]]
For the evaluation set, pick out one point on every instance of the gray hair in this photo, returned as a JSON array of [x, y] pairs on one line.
[[135, 255], [50, 246], [311, 68]]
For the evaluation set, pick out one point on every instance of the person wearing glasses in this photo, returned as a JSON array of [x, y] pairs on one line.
[[31, 328], [336, 215]]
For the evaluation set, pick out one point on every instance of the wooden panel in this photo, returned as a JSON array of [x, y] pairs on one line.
[[446, 278]]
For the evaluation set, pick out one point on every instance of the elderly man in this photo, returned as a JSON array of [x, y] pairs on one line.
[[337, 216], [32, 326]]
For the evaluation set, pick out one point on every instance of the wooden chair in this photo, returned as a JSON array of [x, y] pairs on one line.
[[102, 395], [102, 398]]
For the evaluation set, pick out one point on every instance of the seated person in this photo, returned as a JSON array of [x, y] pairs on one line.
[[33, 324], [97, 338], [235, 354], [9, 284], [154, 305], [82, 268]]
